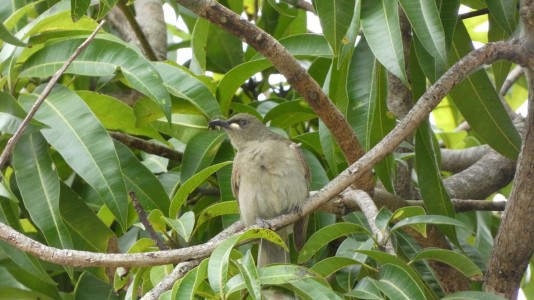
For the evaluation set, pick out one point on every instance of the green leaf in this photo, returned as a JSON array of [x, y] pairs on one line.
[[380, 24], [39, 186], [218, 264], [430, 219], [216, 210], [84, 144], [187, 286], [122, 119], [367, 288], [397, 284], [199, 40], [385, 258], [310, 288], [502, 67], [78, 8], [472, 295], [7, 37], [289, 113], [479, 103], [425, 20], [249, 273], [105, 7], [87, 230], [138, 178], [505, 13], [191, 184], [102, 57], [381, 123], [181, 83], [330, 265], [435, 197], [454, 259], [200, 152], [335, 17], [183, 225], [325, 235]]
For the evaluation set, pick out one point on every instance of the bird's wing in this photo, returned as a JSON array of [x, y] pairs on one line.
[[235, 181], [302, 161]]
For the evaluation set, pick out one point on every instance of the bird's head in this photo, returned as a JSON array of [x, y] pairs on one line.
[[243, 128]]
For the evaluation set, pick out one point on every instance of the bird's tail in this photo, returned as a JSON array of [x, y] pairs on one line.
[[270, 253]]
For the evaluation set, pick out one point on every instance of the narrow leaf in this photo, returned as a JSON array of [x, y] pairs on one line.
[[454, 259], [380, 24], [191, 184], [200, 152], [335, 17], [325, 235], [85, 145], [397, 284], [39, 185]]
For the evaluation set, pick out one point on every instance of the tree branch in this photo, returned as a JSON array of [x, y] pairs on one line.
[[48, 88], [138, 31], [146, 146], [295, 74]]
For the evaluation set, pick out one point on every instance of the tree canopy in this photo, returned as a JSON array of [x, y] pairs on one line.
[[113, 187]]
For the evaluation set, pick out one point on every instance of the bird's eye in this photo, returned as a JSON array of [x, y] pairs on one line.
[[243, 123]]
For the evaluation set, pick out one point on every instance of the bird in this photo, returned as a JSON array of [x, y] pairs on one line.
[[270, 177]]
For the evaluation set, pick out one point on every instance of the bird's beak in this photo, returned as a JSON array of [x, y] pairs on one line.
[[213, 124]]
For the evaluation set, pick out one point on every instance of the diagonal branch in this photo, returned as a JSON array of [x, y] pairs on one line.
[[48, 88]]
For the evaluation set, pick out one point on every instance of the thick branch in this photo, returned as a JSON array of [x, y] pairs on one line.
[[457, 160], [488, 175], [295, 74]]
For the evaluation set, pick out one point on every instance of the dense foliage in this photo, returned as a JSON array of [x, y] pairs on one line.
[[68, 180]]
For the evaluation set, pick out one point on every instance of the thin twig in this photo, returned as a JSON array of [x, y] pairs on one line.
[[139, 34], [144, 220], [166, 284], [146, 146], [48, 88]]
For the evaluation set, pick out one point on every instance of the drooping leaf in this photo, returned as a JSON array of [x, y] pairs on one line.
[[7, 37], [39, 185], [190, 283], [505, 13], [84, 143], [425, 20], [380, 24], [325, 235], [335, 17], [479, 103], [200, 152], [454, 259], [397, 284], [102, 57], [191, 184]]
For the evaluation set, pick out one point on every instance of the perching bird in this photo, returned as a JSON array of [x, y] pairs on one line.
[[269, 178]]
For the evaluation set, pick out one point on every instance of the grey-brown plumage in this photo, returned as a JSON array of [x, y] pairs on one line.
[[270, 177]]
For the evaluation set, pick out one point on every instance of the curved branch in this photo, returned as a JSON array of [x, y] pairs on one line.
[[295, 74], [146, 146], [457, 160]]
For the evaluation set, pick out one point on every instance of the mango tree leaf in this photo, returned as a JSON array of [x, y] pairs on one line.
[[39, 186], [397, 284], [183, 225], [435, 197], [330, 265], [102, 57], [200, 152], [429, 219], [310, 288], [480, 104], [84, 144], [7, 37], [78, 8], [123, 117], [187, 286], [457, 260], [181, 83], [191, 184], [218, 264], [385, 258], [472, 295], [425, 20], [505, 13], [335, 17], [367, 288], [249, 273], [325, 235], [138, 178], [216, 210], [380, 24]]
